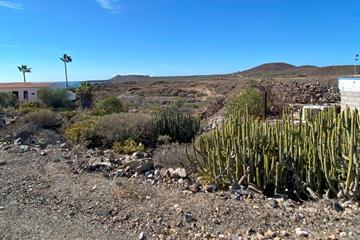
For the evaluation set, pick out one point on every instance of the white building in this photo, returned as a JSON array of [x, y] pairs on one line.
[[350, 91], [24, 91]]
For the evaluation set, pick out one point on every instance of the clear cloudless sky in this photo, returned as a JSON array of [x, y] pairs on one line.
[[172, 37]]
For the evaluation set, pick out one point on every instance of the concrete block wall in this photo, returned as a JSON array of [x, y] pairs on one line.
[[350, 99]]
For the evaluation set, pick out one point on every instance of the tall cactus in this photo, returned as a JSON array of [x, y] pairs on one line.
[[305, 158]]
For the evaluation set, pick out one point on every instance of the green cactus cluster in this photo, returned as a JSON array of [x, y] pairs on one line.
[[303, 159], [177, 124]]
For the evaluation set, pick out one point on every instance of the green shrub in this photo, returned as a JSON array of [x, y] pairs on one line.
[[250, 100], [128, 147], [80, 131], [120, 127], [8, 100], [108, 106], [55, 98], [70, 114], [27, 107], [45, 119], [177, 124], [85, 93]]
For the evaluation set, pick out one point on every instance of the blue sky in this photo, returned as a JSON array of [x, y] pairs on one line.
[[172, 37]]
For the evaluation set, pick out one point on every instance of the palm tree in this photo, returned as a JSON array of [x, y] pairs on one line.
[[66, 59], [24, 69], [84, 90]]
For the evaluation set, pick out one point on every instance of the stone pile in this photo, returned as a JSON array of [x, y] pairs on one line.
[[306, 93]]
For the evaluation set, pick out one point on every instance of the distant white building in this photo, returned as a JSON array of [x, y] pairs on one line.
[[25, 92], [29, 92], [350, 92]]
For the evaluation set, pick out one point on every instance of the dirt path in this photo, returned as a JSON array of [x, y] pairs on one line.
[[43, 199]]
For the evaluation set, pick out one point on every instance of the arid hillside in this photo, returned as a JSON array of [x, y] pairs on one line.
[[206, 94]]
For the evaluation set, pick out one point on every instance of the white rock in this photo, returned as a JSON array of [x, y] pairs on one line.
[[24, 148], [63, 145], [177, 173], [302, 232]]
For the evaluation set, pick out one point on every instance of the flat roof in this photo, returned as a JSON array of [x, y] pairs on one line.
[[355, 77], [24, 85]]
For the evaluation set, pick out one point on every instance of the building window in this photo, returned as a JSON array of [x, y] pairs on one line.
[[26, 95]]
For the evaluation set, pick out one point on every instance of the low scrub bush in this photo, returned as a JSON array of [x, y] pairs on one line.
[[177, 124], [172, 155], [27, 107], [55, 98], [128, 147], [250, 100], [120, 127], [108, 106], [70, 114], [8, 100], [45, 119], [80, 131]]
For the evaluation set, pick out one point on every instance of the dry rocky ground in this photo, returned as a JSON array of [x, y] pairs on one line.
[[81, 194], [48, 195]]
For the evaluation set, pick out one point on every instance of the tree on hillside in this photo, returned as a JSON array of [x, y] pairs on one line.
[[66, 59], [84, 91], [24, 69]]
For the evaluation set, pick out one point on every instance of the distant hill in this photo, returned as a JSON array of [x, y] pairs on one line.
[[288, 70], [276, 69], [129, 78], [271, 67]]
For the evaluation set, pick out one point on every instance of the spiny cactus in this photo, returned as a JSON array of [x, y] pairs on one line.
[[302, 159], [178, 125]]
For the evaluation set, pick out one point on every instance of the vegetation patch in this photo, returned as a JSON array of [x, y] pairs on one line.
[[7, 100], [108, 106], [250, 100], [80, 131], [177, 124], [120, 127], [302, 159], [128, 147], [45, 119], [55, 98]]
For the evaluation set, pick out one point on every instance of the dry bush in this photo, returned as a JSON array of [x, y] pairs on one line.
[[173, 155], [123, 126], [45, 119]]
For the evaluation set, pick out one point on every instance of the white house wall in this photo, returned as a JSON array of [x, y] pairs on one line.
[[350, 92], [32, 93]]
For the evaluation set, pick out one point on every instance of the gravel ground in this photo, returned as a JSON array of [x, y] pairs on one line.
[[45, 199]]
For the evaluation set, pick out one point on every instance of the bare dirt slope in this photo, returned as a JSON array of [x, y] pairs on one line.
[[44, 199]]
